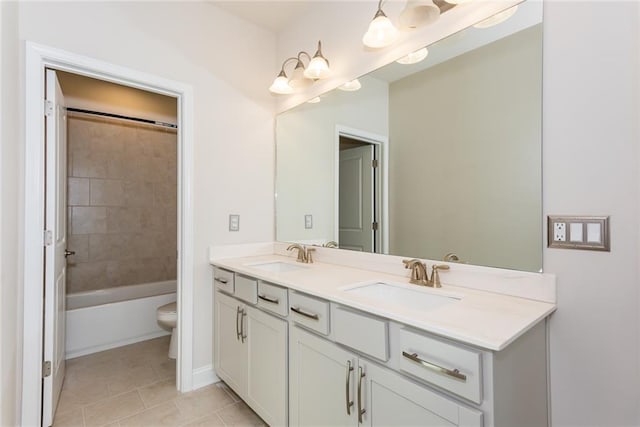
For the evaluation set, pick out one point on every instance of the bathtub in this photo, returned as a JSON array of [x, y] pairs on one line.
[[109, 318]]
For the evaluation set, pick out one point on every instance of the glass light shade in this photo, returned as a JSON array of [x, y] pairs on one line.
[[351, 86], [419, 13], [281, 86], [298, 81], [318, 68], [314, 100], [497, 18], [381, 33], [414, 57]]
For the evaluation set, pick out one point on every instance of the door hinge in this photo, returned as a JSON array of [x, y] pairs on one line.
[[374, 163], [48, 237], [374, 226], [46, 368], [48, 107]]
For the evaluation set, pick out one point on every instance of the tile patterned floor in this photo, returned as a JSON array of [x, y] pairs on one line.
[[135, 386]]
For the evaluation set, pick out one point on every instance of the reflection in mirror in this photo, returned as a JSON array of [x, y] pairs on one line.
[[439, 159]]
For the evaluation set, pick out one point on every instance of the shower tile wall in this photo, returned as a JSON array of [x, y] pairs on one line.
[[122, 198]]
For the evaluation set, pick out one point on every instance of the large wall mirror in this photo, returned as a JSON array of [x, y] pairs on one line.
[[440, 159]]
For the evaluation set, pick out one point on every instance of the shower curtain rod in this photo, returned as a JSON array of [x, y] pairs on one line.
[[118, 116]]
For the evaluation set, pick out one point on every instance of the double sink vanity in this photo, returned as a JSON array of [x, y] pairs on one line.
[[328, 344]]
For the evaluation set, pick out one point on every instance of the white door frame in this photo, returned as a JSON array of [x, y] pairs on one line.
[[382, 142], [37, 58]]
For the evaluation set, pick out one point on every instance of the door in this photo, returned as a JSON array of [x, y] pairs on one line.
[[392, 400], [230, 348], [356, 199], [56, 244], [321, 376], [267, 382]]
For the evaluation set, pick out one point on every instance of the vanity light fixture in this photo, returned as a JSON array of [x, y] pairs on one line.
[[497, 18], [351, 86], [302, 77], [418, 13], [414, 57], [381, 32]]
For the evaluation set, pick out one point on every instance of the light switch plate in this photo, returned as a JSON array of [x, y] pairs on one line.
[[234, 222], [578, 232], [308, 221]]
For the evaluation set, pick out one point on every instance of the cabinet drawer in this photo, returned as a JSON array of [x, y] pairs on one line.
[[223, 280], [310, 312], [449, 366], [246, 288], [273, 298], [349, 328]]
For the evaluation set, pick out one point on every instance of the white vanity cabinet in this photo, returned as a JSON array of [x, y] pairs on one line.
[[251, 356], [331, 386]]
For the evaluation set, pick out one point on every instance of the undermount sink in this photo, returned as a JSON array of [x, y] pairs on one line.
[[276, 266], [418, 299]]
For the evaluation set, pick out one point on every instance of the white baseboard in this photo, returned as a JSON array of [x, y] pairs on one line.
[[103, 347], [204, 376]]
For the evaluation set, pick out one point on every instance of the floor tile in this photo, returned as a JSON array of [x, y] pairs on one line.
[[165, 414], [203, 402], [212, 420], [69, 419], [158, 392], [239, 414], [112, 409]]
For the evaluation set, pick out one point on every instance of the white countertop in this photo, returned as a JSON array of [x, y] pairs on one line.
[[483, 319]]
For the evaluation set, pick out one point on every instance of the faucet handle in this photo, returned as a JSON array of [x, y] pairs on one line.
[[309, 256], [435, 277]]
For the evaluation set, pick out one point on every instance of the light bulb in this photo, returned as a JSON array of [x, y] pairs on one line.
[[351, 86], [497, 18], [281, 85], [381, 32], [414, 57]]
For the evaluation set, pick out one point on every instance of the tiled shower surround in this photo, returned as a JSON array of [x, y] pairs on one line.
[[122, 196]]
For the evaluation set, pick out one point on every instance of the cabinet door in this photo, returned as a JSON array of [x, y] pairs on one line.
[[320, 383], [230, 351], [393, 400], [267, 382]]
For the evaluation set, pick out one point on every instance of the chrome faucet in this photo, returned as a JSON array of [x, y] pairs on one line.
[[419, 275], [304, 254]]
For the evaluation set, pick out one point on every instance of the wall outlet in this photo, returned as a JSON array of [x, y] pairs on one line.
[[308, 221], [559, 232], [234, 222]]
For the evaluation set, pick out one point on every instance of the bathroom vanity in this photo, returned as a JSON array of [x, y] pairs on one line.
[[327, 344]]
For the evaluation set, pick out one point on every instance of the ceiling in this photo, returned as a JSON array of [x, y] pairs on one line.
[[270, 15]]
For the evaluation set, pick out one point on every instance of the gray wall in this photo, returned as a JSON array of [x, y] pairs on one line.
[[465, 156]]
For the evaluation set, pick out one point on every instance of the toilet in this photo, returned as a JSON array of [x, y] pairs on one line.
[[167, 316]]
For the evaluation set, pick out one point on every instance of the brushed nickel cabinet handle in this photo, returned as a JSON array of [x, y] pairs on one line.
[[219, 280], [361, 410], [349, 401], [269, 299], [243, 335], [238, 333], [455, 373], [302, 313]]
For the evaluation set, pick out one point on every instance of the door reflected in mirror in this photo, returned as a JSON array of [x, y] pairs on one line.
[[440, 159]]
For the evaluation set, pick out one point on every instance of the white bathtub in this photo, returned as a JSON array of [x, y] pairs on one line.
[[104, 319]]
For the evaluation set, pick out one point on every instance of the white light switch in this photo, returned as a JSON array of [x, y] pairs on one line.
[[234, 222], [594, 233], [308, 221]]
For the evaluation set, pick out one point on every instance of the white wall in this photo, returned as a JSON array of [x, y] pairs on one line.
[[590, 109], [222, 57], [591, 114], [306, 157], [10, 159]]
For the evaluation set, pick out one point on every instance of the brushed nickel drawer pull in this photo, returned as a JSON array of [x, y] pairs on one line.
[[238, 333], [267, 298], [436, 368], [361, 410], [302, 313], [349, 401], [219, 280]]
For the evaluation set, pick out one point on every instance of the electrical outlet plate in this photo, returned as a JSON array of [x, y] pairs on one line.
[[578, 232]]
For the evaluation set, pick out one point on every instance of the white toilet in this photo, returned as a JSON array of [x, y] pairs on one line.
[[167, 316]]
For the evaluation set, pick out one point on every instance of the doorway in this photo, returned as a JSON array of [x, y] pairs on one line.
[[361, 191], [38, 59]]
